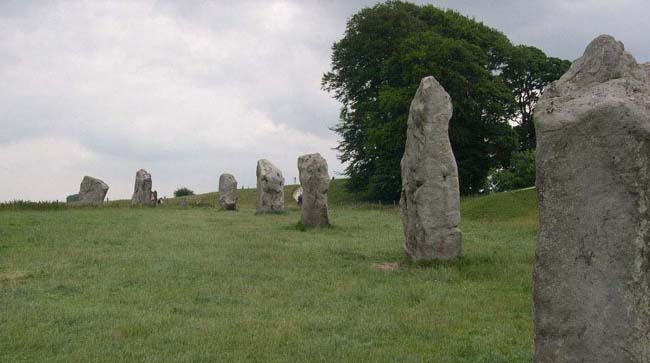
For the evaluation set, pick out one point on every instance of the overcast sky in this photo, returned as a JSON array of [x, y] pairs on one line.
[[189, 90]]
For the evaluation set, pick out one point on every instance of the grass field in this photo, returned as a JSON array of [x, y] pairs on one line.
[[120, 284]]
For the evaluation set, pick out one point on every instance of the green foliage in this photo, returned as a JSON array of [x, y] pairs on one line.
[[201, 285], [519, 174], [376, 68], [527, 72], [182, 192]]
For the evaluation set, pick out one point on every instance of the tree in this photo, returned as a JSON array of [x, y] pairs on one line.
[[182, 192], [527, 72], [376, 68], [519, 174]]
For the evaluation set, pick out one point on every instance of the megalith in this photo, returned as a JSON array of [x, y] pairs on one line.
[[430, 201], [142, 188], [270, 188], [92, 190], [227, 192], [592, 264], [315, 181]]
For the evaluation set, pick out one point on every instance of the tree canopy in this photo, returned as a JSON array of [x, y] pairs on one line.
[[527, 72], [376, 68]]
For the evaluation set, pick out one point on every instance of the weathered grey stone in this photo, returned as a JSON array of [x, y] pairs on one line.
[[228, 192], [430, 202], [142, 188], [315, 182], [592, 264], [72, 198], [270, 188], [92, 190]]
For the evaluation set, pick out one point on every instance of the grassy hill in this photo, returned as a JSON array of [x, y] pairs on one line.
[[202, 285], [337, 194]]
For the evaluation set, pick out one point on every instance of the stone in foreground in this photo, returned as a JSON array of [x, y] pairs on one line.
[[315, 181], [142, 188], [430, 201], [228, 192], [270, 188], [92, 190], [592, 265]]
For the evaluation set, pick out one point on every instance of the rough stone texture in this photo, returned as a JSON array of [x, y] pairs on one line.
[[270, 188], [72, 198], [430, 202], [92, 190], [142, 188], [592, 265], [228, 192], [315, 181]]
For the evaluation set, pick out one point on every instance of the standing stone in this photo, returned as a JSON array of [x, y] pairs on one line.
[[72, 198], [92, 190], [430, 202], [228, 192], [270, 188], [592, 264], [315, 181], [142, 189]]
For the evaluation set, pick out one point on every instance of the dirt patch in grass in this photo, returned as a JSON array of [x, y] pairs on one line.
[[385, 266], [13, 275]]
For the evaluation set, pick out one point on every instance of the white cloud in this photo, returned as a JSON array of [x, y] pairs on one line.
[[134, 86]]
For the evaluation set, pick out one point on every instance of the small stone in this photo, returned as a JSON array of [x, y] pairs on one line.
[[315, 181], [270, 188], [228, 192], [72, 198]]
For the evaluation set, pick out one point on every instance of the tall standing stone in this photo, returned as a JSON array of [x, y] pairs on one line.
[[592, 264], [270, 188], [142, 188], [228, 192], [315, 181], [92, 190], [430, 202]]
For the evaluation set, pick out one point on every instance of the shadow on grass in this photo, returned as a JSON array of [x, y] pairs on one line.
[[303, 228]]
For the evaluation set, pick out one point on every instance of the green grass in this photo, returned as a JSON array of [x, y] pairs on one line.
[[203, 285]]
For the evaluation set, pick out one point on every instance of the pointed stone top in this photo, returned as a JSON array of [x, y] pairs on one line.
[[431, 99], [604, 59], [429, 86]]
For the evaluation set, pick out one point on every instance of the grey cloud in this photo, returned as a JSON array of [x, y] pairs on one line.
[[189, 89]]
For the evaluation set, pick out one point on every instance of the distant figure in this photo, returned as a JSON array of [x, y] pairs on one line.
[[300, 200]]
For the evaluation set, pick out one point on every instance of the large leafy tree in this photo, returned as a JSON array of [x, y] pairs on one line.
[[376, 68], [527, 72]]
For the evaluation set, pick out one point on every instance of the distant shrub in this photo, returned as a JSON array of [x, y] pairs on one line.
[[520, 173], [22, 204], [183, 192]]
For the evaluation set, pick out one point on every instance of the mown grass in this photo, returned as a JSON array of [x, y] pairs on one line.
[[203, 285]]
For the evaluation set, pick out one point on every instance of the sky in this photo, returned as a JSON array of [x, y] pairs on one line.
[[189, 90]]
